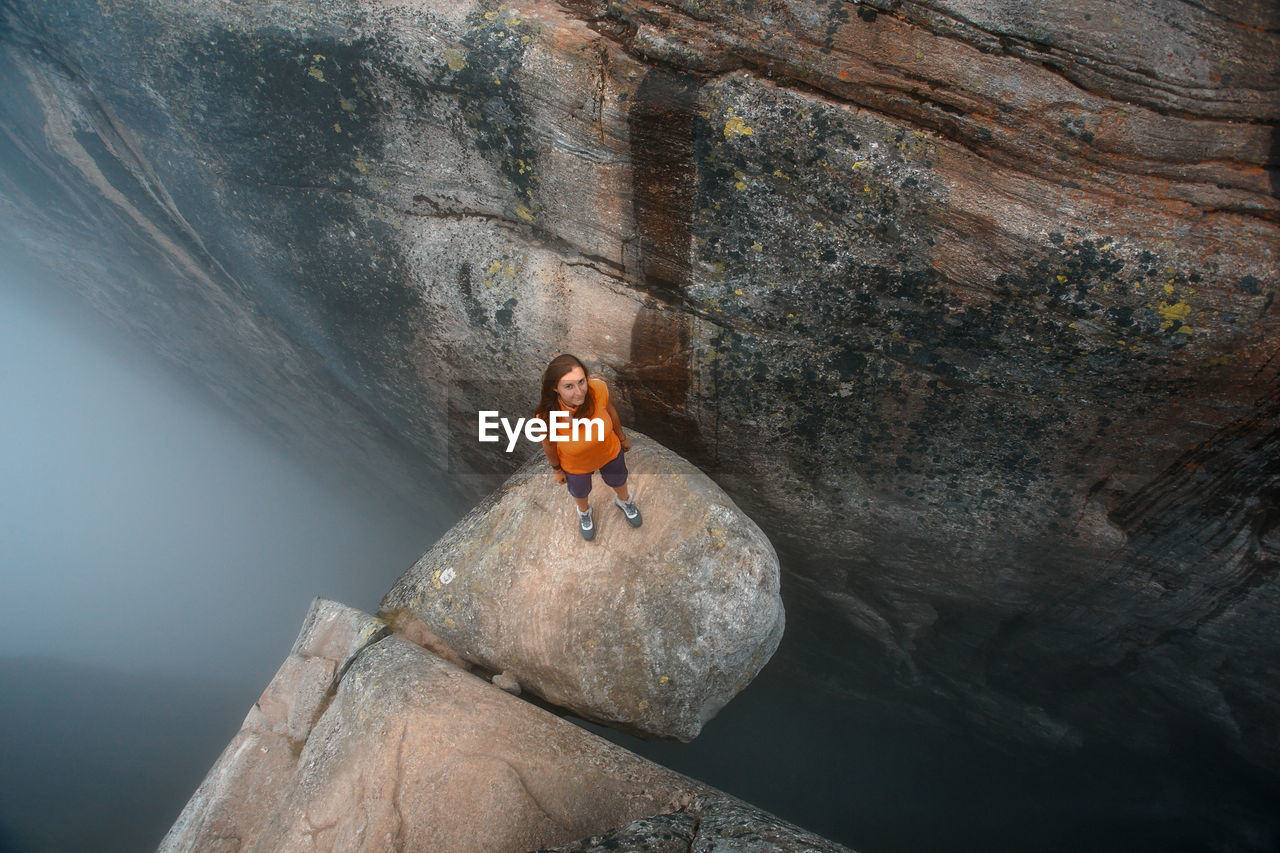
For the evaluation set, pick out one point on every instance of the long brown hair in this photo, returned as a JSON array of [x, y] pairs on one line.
[[559, 366]]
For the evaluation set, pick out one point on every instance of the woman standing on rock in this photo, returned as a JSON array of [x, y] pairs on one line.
[[565, 386]]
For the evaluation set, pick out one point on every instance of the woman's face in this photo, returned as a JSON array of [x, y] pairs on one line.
[[572, 387]]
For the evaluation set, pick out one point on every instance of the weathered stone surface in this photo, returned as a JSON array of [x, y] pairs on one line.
[[246, 785], [364, 741], [971, 304], [650, 629], [706, 825]]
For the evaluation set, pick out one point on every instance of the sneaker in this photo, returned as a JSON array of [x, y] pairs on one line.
[[585, 526], [629, 510]]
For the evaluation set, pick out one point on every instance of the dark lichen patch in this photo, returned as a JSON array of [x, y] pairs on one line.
[[290, 110], [837, 16], [815, 229], [293, 127], [484, 74], [488, 293]]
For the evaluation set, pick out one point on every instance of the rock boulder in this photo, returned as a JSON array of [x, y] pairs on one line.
[[366, 742], [650, 629]]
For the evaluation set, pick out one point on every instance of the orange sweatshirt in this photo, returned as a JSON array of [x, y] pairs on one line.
[[584, 457]]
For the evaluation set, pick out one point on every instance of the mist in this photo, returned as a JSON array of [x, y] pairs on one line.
[[146, 530], [159, 558]]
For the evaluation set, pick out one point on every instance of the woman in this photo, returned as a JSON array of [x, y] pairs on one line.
[[565, 386]]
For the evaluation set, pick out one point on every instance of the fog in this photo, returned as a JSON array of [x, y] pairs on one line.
[[143, 528], [158, 560]]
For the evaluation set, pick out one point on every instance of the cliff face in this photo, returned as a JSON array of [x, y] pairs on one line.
[[970, 305]]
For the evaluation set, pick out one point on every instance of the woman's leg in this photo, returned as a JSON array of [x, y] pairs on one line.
[[579, 487], [614, 474]]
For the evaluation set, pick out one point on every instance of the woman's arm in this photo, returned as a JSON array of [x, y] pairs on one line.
[[550, 449], [554, 458], [617, 426]]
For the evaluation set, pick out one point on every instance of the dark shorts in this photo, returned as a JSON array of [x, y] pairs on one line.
[[613, 472]]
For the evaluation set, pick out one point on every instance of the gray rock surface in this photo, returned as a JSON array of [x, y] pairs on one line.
[[706, 825], [244, 790], [650, 629], [972, 305], [366, 742]]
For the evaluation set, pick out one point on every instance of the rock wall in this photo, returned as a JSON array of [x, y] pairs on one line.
[[971, 305]]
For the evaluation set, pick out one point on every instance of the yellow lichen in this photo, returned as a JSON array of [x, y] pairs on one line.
[[316, 73], [734, 126], [453, 59], [1176, 312]]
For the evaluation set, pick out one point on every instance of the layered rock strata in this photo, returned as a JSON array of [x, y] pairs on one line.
[[650, 629], [972, 304], [364, 741]]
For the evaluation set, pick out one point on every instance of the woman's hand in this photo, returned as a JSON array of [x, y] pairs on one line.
[[558, 473], [626, 443]]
